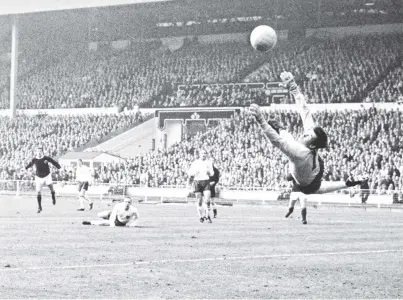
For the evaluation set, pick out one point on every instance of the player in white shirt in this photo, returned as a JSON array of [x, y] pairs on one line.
[[306, 166], [200, 172], [83, 176], [122, 214]]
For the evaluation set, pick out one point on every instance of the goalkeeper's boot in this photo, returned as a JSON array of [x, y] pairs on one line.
[[304, 222]]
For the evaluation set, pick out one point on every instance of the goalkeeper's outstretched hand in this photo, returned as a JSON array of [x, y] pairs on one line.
[[255, 110]]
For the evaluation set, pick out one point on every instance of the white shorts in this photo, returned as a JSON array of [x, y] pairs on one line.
[[39, 182]]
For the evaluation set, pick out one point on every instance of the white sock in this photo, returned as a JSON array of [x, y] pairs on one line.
[[81, 202], [200, 211]]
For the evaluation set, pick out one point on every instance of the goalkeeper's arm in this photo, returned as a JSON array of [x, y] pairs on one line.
[[304, 111], [277, 135]]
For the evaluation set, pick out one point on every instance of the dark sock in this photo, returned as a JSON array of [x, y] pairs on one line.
[[53, 197], [303, 214], [39, 198], [290, 210]]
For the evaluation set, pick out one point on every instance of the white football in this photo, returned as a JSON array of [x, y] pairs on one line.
[[263, 38]]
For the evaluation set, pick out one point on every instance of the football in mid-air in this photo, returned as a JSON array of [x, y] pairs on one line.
[[263, 38]]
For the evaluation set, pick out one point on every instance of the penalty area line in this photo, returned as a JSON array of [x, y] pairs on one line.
[[198, 260]]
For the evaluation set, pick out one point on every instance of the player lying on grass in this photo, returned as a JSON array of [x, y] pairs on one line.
[[306, 166], [122, 214]]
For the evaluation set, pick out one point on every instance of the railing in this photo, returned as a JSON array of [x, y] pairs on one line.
[[179, 193]]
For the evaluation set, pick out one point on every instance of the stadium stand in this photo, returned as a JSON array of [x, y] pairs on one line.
[[56, 134], [369, 140], [146, 74]]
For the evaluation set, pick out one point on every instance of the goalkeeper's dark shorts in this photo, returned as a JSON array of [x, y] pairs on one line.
[[314, 186]]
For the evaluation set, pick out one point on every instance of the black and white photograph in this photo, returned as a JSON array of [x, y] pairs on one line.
[[201, 149]]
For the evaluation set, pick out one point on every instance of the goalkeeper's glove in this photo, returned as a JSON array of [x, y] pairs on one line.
[[288, 81]]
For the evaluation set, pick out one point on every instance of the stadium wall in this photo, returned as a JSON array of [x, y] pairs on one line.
[[235, 196], [175, 43], [339, 32], [114, 110]]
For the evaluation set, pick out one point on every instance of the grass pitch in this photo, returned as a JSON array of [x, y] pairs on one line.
[[247, 252]]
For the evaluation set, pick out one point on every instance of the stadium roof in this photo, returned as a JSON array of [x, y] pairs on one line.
[[24, 6]]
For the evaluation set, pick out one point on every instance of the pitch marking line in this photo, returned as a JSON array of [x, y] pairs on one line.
[[198, 260]]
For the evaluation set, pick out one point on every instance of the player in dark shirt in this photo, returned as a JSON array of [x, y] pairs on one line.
[[43, 176], [213, 182]]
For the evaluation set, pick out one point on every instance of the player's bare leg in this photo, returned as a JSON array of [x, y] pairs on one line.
[[53, 193], [90, 202], [200, 208], [207, 197], [81, 200], [86, 198], [97, 222], [83, 197], [104, 214], [293, 199]]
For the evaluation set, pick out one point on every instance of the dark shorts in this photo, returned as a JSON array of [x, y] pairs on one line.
[[83, 186], [201, 185], [212, 190], [118, 223], [314, 186]]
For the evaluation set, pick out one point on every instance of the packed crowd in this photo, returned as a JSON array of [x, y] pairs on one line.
[[215, 95], [147, 74], [330, 71], [129, 77], [369, 141], [55, 134], [336, 71], [391, 88]]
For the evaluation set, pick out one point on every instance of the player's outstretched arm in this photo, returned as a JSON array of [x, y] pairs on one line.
[[31, 163], [291, 148], [306, 115], [53, 162]]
